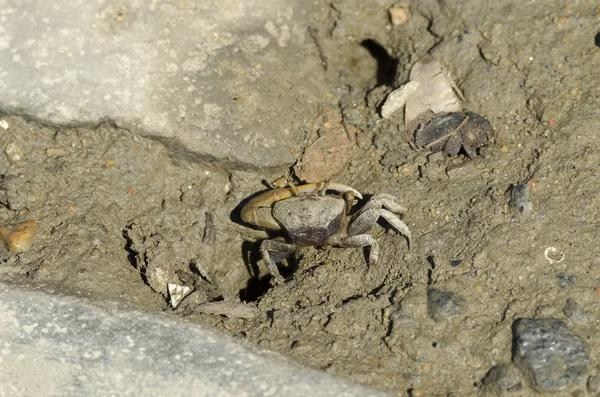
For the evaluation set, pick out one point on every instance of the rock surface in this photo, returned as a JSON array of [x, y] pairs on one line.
[[207, 79], [549, 354], [54, 345]]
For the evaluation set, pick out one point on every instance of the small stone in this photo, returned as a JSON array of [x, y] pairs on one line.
[[177, 293], [397, 98], [416, 393], [56, 151], [503, 378], [504, 149], [593, 384], [407, 169], [19, 238], [459, 170], [566, 279], [444, 304], [14, 153], [398, 15], [549, 354], [518, 199], [573, 311]]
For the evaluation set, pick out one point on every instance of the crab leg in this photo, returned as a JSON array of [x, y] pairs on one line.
[[276, 247], [363, 240], [371, 212]]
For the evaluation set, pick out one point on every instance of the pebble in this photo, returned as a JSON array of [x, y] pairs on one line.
[[518, 199], [56, 151], [19, 238], [549, 354], [503, 378], [398, 15], [460, 170], [397, 98], [13, 153], [444, 304], [593, 384], [573, 311]]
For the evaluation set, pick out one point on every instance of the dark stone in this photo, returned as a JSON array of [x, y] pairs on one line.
[[455, 262], [444, 304], [518, 199], [549, 354], [503, 378], [566, 279]]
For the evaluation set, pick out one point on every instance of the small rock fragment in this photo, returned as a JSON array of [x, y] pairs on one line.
[[56, 151], [435, 94], [518, 199], [19, 238], [444, 304], [14, 153], [549, 354], [4, 124], [461, 169], [566, 280], [573, 311], [397, 98], [398, 15], [593, 384], [502, 378], [177, 293]]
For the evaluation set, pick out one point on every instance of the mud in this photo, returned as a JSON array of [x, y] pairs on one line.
[[120, 216]]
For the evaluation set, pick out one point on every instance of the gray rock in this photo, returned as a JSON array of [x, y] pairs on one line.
[[212, 80], [549, 354], [503, 378], [444, 304], [60, 346], [518, 200], [573, 311]]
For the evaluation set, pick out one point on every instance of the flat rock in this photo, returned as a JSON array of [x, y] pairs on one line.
[[213, 80], [549, 354], [59, 346]]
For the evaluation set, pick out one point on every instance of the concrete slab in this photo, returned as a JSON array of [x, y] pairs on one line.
[[60, 346], [214, 80]]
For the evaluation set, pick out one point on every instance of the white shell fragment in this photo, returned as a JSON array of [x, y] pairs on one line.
[[435, 93], [4, 124], [397, 98], [177, 293], [553, 255]]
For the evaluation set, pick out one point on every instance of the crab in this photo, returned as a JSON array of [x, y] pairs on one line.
[[452, 132], [310, 216]]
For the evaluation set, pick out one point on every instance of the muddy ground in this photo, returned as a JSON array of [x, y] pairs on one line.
[[121, 215]]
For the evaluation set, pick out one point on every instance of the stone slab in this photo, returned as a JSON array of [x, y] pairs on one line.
[[224, 81], [52, 345]]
